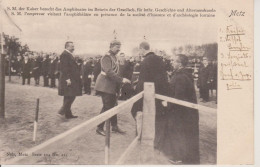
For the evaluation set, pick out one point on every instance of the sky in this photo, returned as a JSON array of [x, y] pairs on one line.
[[92, 35]]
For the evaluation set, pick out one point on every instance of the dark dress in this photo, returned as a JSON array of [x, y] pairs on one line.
[[181, 140]]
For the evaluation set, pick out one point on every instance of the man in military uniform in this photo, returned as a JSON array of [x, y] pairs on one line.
[[87, 70], [108, 84], [204, 79], [36, 65], [52, 70], [45, 69], [26, 69], [70, 81]]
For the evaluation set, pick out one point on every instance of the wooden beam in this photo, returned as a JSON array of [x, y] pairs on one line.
[[107, 144], [185, 103], [2, 80], [129, 149], [76, 131], [148, 126], [36, 119]]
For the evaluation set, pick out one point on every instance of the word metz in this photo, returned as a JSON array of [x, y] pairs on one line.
[[237, 13]]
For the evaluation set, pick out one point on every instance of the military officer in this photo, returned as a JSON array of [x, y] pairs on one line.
[[108, 84]]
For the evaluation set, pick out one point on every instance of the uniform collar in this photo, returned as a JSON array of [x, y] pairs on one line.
[[68, 51]]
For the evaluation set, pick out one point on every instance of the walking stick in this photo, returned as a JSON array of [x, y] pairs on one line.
[[36, 119]]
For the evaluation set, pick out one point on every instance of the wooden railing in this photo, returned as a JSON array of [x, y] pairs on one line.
[[76, 131], [147, 131]]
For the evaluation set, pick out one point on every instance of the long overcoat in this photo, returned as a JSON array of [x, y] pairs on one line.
[[181, 135], [152, 70], [69, 70]]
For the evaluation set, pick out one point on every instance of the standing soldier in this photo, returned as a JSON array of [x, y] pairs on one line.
[[87, 70], [70, 81], [97, 69], [26, 69], [108, 84], [204, 79], [17, 65], [45, 70], [214, 77], [36, 65], [57, 72], [52, 70]]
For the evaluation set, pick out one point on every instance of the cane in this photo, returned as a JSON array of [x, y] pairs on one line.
[[36, 119]]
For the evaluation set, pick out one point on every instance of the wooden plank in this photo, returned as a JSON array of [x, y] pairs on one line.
[[129, 149], [185, 103], [107, 144], [148, 126], [148, 129], [36, 119], [2, 74], [76, 131]]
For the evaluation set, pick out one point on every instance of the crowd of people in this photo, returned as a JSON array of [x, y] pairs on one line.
[[34, 65], [119, 77]]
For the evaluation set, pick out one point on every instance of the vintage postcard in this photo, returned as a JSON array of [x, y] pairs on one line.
[[141, 82]]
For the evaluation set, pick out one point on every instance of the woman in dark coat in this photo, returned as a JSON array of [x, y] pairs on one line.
[[182, 129]]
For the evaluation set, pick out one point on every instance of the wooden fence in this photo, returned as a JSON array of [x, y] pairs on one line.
[[147, 131]]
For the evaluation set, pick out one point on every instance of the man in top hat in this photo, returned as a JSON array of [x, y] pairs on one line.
[[69, 81], [108, 84]]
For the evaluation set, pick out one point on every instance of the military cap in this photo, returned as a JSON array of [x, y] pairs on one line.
[[114, 42]]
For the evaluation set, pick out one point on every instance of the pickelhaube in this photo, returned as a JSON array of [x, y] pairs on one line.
[[114, 42]]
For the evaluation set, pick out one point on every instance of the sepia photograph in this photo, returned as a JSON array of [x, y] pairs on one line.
[[111, 83]]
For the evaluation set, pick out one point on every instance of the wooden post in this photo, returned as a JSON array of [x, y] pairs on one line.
[[107, 147], [148, 126], [2, 75], [36, 119], [10, 64]]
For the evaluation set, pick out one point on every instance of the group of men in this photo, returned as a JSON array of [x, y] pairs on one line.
[[117, 77], [34, 65]]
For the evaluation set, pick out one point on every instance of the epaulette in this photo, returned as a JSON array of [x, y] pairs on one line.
[[107, 54]]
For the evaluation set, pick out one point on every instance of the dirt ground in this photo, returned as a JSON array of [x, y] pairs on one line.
[[17, 129]]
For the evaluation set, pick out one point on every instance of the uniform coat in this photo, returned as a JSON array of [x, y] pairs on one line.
[[110, 82], [69, 70], [26, 69], [52, 68], [181, 136], [96, 70], [36, 65], [87, 70], [204, 80], [45, 69]]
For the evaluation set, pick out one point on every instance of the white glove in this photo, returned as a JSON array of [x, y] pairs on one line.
[[164, 103], [126, 80], [68, 82]]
